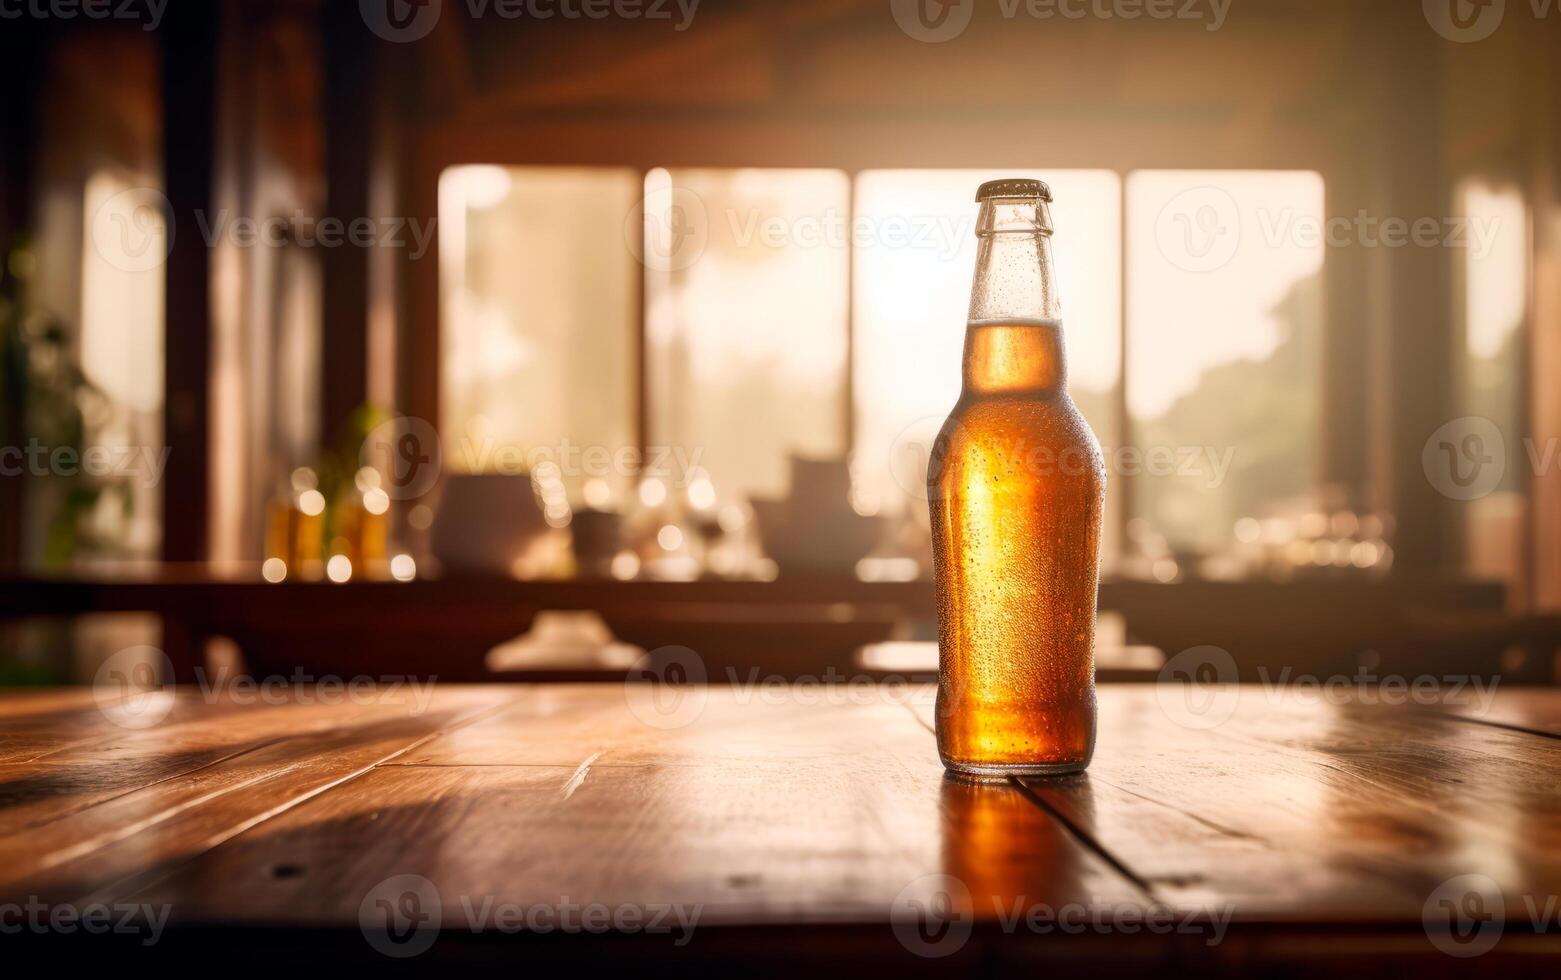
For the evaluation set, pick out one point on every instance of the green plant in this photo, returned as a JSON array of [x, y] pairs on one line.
[[46, 399]]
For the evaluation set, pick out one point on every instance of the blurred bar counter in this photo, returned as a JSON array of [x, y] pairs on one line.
[[790, 627]]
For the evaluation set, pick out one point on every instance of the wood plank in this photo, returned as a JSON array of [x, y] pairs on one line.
[[820, 808], [1531, 709], [130, 832], [1314, 812], [768, 812], [90, 759], [20, 702], [43, 727]]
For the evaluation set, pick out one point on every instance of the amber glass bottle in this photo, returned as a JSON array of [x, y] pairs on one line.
[[1016, 486]]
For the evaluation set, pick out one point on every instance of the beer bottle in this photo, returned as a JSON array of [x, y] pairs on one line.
[[1016, 486]]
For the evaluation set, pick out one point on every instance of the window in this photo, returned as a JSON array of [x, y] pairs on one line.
[[1495, 281], [122, 353], [746, 326], [539, 309], [915, 259], [1223, 351], [814, 312]]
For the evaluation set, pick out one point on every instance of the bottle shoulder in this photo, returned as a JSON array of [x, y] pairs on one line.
[[1053, 412]]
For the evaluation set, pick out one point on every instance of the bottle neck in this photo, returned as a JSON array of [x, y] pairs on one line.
[[1013, 344]]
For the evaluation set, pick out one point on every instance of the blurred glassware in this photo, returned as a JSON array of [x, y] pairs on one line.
[[295, 525], [596, 537], [815, 530], [360, 522], [485, 522]]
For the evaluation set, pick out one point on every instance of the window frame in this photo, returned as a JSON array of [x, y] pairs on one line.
[[850, 143]]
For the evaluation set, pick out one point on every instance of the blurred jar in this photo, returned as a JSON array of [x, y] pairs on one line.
[[360, 523], [295, 522]]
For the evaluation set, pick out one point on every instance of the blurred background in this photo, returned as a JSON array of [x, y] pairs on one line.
[[498, 340]]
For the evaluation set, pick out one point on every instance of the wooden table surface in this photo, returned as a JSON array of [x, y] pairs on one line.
[[775, 827]]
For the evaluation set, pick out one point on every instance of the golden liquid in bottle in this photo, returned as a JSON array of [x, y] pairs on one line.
[[1017, 490]]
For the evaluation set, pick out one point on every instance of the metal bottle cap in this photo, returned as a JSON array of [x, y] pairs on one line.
[[1014, 187]]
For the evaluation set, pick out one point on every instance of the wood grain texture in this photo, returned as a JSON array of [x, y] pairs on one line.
[[111, 808], [792, 808], [763, 809], [1318, 812]]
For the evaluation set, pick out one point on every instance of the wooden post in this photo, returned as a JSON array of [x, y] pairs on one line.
[[189, 48], [350, 87]]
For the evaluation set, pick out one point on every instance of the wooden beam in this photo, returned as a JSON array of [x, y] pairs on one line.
[[21, 64], [189, 46], [350, 87]]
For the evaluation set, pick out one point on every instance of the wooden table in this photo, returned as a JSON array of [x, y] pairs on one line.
[[801, 626], [777, 829]]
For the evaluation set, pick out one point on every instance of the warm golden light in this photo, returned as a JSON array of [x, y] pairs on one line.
[[311, 503], [670, 537], [339, 568], [273, 570], [653, 493], [597, 493], [625, 565], [376, 501], [701, 494]]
